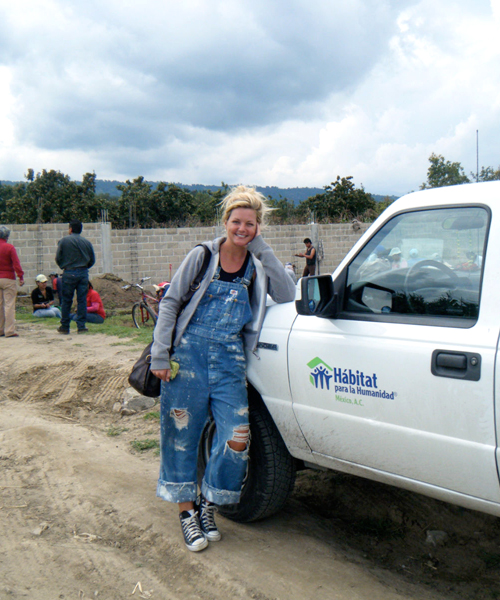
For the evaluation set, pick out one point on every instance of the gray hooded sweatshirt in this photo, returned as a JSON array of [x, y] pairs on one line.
[[271, 278]]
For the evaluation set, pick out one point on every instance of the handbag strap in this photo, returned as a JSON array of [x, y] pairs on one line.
[[195, 284]]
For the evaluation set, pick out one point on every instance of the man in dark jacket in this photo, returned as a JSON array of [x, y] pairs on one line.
[[75, 256]]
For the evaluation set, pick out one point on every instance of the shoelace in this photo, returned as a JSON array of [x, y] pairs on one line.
[[207, 516], [191, 528]]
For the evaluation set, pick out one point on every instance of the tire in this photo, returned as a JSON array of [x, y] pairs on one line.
[[136, 315], [270, 475], [149, 317]]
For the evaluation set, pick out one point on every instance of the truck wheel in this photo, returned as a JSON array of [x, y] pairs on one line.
[[270, 474]]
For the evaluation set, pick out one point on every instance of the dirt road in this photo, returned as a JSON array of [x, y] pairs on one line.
[[79, 518]]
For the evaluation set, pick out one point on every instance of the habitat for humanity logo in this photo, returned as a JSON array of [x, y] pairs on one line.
[[346, 381], [321, 373]]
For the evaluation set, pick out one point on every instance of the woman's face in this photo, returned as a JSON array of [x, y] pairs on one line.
[[41, 284], [241, 227]]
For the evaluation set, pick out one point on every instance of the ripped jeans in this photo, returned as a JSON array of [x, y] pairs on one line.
[[211, 376]]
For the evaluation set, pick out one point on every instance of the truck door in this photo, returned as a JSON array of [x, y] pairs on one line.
[[402, 383]]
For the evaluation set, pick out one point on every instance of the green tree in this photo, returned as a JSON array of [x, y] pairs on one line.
[[142, 206], [340, 201], [206, 206], [207, 211], [7, 193], [382, 205], [442, 173], [50, 197], [284, 211], [135, 207], [172, 204], [487, 174]]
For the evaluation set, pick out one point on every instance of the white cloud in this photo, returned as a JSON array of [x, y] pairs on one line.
[[6, 104], [282, 93]]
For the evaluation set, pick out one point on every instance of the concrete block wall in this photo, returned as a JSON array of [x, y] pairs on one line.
[[157, 253], [337, 240], [36, 247]]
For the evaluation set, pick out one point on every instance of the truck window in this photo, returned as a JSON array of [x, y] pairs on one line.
[[423, 263]]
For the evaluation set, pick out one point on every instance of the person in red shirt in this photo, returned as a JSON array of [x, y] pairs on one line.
[[9, 268], [56, 286], [95, 308]]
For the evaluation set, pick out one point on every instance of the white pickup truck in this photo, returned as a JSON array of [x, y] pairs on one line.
[[389, 368]]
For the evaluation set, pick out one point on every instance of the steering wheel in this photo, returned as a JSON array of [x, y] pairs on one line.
[[423, 264]]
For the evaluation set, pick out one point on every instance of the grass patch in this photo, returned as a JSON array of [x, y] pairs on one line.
[[147, 444], [119, 325], [152, 416], [115, 431]]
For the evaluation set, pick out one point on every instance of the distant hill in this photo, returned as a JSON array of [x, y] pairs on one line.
[[295, 195]]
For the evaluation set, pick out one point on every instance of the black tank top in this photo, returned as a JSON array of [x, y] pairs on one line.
[[230, 277]]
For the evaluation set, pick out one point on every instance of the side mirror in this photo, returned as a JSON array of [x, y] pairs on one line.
[[318, 297]]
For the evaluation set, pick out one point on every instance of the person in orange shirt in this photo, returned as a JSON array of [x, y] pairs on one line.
[[95, 308]]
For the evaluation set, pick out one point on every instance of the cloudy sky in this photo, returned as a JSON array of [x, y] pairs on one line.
[[289, 93]]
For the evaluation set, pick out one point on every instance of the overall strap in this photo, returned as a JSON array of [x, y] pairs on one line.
[[246, 280]]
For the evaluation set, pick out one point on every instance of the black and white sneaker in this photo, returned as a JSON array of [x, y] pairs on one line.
[[193, 535], [206, 512]]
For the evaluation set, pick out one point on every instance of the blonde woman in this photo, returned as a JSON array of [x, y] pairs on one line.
[[208, 341]]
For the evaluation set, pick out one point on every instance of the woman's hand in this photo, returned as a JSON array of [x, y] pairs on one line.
[[163, 374], [257, 232]]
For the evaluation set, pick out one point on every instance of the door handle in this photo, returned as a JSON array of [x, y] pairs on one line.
[[458, 365]]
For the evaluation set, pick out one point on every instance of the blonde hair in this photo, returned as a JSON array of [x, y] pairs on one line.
[[245, 197]]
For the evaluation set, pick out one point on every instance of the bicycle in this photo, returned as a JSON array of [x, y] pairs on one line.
[[145, 312]]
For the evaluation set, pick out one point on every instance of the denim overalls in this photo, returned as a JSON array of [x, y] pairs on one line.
[[212, 375]]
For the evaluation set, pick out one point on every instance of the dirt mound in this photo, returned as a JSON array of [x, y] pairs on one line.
[[110, 288]]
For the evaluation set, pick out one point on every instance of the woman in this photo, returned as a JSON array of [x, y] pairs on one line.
[[95, 308], [42, 298], [9, 267], [224, 315]]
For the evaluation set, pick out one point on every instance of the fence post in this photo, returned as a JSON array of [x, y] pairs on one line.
[[315, 243], [107, 253]]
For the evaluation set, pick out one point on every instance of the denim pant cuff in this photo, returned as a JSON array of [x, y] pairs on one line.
[[220, 497], [177, 492]]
